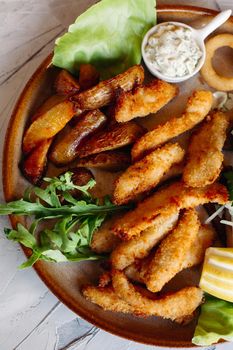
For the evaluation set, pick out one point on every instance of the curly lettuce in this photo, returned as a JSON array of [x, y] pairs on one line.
[[215, 322]]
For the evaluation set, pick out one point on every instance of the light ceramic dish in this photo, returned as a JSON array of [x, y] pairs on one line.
[[199, 36], [65, 280]]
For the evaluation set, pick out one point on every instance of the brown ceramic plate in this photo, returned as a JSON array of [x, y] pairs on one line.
[[65, 280]]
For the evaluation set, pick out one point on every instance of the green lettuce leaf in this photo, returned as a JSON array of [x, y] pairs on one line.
[[108, 35], [215, 322]]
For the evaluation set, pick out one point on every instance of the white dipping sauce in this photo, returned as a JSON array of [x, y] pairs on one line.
[[173, 51]]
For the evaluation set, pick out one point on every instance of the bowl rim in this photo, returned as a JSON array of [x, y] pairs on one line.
[[9, 142], [157, 73]]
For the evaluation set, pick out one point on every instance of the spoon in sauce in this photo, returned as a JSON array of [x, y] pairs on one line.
[[174, 51]]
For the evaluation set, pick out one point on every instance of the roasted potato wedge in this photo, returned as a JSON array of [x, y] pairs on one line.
[[34, 165], [65, 149], [88, 76], [66, 84], [105, 92], [110, 160], [81, 176], [143, 100], [46, 106], [118, 135], [48, 124]]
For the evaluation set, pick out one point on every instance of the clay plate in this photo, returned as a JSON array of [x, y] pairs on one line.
[[65, 280]]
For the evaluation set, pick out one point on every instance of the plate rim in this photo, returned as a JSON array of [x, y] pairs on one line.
[[8, 195]]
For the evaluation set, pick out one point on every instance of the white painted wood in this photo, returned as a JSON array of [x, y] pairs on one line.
[[31, 317]]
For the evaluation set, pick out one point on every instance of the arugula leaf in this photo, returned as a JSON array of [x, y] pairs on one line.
[[70, 237], [21, 235]]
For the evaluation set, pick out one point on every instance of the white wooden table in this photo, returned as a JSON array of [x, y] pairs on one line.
[[31, 317]]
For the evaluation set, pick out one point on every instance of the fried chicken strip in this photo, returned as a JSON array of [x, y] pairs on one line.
[[105, 92], [170, 306], [194, 256], [170, 255], [205, 155], [167, 200], [103, 240], [106, 298], [143, 100], [198, 106], [127, 252], [146, 173]]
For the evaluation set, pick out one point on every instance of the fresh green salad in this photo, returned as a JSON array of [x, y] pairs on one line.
[[68, 239]]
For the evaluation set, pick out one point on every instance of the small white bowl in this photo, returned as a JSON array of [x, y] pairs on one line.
[[199, 36]]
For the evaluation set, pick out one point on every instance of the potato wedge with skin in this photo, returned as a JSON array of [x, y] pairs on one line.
[[46, 106], [65, 148], [110, 160], [143, 100], [105, 92], [116, 136], [34, 165], [145, 174], [205, 155], [48, 124], [65, 84], [88, 76]]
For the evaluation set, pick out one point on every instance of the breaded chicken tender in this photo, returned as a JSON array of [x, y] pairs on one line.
[[194, 256], [143, 100], [198, 106], [170, 255], [205, 155], [103, 240], [106, 298], [204, 240], [167, 200], [146, 173], [170, 306], [139, 247]]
